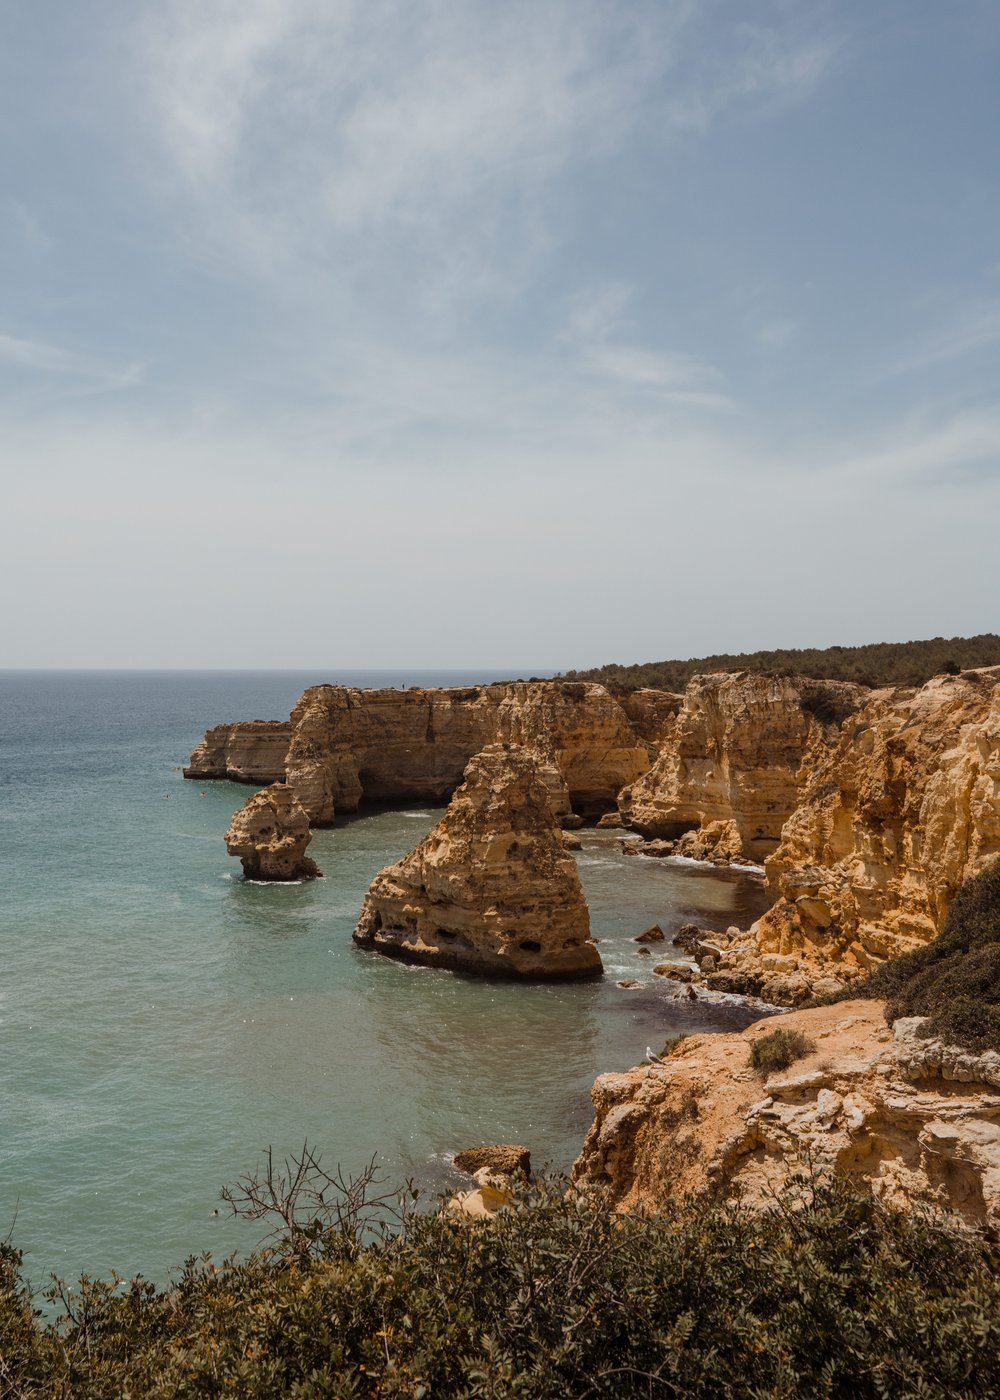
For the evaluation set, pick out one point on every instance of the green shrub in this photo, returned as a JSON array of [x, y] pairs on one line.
[[778, 1050], [557, 1297], [955, 979]]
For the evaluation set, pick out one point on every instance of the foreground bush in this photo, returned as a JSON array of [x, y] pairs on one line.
[[557, 1297], [955, 979], [778, 1050]]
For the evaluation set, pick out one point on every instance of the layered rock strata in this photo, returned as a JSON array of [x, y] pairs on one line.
[[740, 753], [895, 817], [343, 745], [249, 751], [490, 890], [270, 834], [912, 1119]]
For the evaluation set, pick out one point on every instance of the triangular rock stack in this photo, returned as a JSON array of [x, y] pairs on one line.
[[491, 889]]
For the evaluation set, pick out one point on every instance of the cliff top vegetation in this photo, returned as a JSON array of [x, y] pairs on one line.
[[879, 663], [829, 1293]]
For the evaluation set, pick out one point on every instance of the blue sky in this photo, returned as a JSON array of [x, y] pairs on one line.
[[523, 334]]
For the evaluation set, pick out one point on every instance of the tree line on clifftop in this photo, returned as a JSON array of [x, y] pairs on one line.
[[877, 664]]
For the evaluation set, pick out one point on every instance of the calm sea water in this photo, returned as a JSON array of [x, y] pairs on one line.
[[161, 1021]]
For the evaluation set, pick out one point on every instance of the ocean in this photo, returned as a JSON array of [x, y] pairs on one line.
[[162, 1021]]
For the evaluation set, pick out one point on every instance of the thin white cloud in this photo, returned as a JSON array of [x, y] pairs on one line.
[[600, 337], [773, 67], [346, 136], [96, 376], [974, 327], [930, 447]]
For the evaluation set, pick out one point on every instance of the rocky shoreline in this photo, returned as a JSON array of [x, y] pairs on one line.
[[866, 809]]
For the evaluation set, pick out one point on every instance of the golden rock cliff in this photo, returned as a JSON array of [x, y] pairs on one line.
[[344, 745], [915, 1120], [490, 890], [895, 817], [248, 751], [740, 752]]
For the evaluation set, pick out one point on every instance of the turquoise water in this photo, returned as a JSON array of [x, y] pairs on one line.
[[161, 1021]]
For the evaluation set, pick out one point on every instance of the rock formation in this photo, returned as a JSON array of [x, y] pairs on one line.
[[249, 751], [741, 750], [651, 714], [913, 1119], [343, 745], [490, 890], [501, 1159], [270, 834], [895, 817]]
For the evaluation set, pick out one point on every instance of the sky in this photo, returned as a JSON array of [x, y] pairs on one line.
[[534, 334]]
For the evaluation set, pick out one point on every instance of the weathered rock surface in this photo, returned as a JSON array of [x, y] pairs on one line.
[[501, 1158], [343, 745], [490, 890], [895, 817], [742, 749], [652, 714], [913, 1119], [249, 751], [270, 834]]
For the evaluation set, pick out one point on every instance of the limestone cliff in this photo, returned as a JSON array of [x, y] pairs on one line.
[[913, 1119], [490, 890], [344, 745], [270, 834], [249, 751], [651, 714], [741, 750], [895, 817]]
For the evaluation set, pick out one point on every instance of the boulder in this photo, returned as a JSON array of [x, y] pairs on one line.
[[500, 1159], [653, 934], [490, 890]]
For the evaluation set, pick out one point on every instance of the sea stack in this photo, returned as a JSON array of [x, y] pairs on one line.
[[490, 890], [270, 834]]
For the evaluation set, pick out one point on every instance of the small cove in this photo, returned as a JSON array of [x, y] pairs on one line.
[[162, 1021]]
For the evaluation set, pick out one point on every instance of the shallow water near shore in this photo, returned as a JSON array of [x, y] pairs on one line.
[[162, 1021]]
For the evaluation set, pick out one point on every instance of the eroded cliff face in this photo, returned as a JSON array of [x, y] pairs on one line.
[[895, 817], [740, 753], [248, 751], [490, 890], [270, 834], [344, 745], [912, 1119]]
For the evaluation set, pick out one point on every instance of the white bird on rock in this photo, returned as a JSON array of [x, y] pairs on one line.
[[651, 1057]]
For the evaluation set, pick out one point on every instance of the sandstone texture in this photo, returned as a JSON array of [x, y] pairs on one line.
[[731, 770], [914, 1120], [343, 745], [270, 834], [895, 817], [250, 751], [491, 889], [651, 714]]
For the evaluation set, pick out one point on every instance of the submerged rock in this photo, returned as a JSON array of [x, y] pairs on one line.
[[270, 834], [490, 890]]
